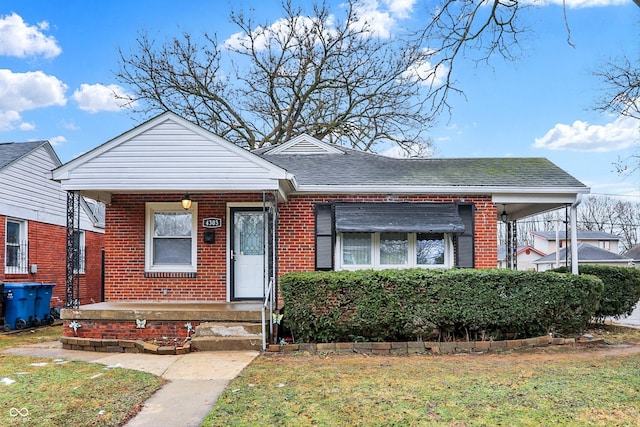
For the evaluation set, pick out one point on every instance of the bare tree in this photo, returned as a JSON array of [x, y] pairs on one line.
[[478, 30], [621, 79], [333, 79], [611, 215]]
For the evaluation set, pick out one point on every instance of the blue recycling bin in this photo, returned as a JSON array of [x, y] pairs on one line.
[[43, 304], [20, 300]]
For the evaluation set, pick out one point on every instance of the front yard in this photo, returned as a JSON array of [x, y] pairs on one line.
[[50, 392], [557, 385]]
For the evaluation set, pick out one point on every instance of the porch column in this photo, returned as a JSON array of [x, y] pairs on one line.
[[574, 237]]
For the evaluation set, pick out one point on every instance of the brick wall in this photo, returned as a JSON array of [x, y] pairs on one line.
[[125, 242], [47, 249], [296, 227], [127, 330]]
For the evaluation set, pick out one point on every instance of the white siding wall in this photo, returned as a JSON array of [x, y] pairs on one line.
[[170, 156], [27, 192]]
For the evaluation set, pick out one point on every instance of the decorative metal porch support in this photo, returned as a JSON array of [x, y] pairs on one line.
[[73, 227], [512, 245]]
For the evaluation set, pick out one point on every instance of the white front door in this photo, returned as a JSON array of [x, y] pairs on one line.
[[247, 246]]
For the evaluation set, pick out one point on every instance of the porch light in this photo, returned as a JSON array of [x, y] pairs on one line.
[[186, 201], [504, 216]]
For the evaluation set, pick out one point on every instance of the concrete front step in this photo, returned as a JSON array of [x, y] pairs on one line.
[[228, 329], [226, 343]]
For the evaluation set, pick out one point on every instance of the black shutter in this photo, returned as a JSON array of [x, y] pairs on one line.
[[465, 247], [325, 236]]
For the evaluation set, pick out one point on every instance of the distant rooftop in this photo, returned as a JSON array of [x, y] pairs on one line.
[[582, 235]]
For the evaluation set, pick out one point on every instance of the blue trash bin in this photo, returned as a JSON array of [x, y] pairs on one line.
[[20, 299], [43, 304]]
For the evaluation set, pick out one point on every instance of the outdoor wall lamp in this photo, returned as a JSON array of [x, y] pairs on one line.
[[186, 201], [504, 216]]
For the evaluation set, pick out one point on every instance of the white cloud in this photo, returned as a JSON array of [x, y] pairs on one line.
[[423, 73], [411, 151], [379, 20], [27, 91], [25, 126], [98, 97], [400, 8], [57, 140], [22, 40], [582, 136]]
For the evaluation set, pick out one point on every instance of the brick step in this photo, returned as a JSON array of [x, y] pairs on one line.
[[228, 329], [226, 343]]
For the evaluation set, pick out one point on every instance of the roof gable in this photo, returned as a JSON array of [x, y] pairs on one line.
[[304, 144], [13, 151], [169, 153]]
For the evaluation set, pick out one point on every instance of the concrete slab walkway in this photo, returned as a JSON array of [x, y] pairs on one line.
[[194, 380]]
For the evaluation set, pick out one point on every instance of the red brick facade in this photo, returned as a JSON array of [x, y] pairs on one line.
[[125, 242], [47, 250]]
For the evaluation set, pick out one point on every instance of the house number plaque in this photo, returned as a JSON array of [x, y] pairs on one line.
[[212, 222]]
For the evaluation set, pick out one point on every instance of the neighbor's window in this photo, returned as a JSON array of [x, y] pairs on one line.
[[170, 237], [80, 244], [394, 250], [16, 247]]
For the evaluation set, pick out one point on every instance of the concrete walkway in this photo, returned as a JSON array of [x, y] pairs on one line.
[[632, 320], [194, 380]]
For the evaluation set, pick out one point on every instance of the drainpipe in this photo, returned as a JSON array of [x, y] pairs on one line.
[[574, 234]]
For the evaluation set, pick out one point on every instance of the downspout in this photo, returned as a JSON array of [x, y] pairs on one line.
[[574, 234]]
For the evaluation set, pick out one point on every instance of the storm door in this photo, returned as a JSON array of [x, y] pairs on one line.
[[247, 253]]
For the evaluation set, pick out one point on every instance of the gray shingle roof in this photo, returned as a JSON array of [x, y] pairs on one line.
[[12, 151], [633, 253], [361, 168], [582, 235], [586, 253]]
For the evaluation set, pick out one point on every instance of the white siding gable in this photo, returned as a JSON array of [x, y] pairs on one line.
[[305, 144], [169, 154], [27, 191]]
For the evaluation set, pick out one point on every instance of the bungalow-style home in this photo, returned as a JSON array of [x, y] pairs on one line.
[[545, 241], [525, 255], [587, 254], [33, 225], [199, 230]]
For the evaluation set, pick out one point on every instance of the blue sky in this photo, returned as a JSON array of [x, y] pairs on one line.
[[57, 63]]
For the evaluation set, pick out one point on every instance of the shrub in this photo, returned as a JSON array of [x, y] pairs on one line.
[[392, 305], [621, 289]]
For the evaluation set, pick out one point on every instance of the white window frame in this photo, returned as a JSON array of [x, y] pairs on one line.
[[22, 243], [375, 256], [151, 208]]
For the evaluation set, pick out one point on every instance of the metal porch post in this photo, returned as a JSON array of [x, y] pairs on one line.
[[72, 289]]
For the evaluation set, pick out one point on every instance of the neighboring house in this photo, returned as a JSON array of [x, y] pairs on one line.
[[545, 241], [300, 206], [33, 224], [634, 254], [525, 255], [587, 254]]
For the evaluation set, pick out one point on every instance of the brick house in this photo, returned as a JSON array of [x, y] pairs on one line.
[[33, 225], [250, 217]]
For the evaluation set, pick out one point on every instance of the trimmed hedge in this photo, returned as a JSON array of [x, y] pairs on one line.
[[398, 305], [621, 289]]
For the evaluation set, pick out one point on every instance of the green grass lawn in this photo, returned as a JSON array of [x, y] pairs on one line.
[[565, 387], [48, 392]]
